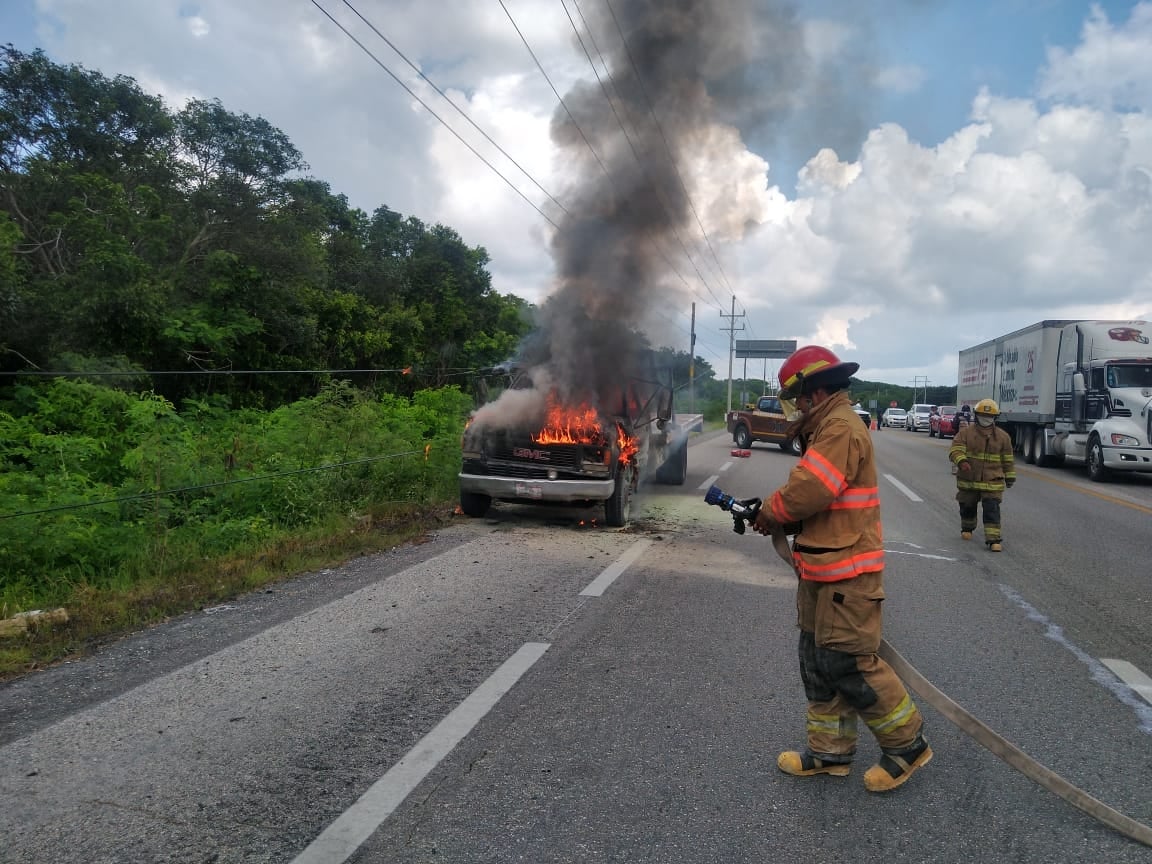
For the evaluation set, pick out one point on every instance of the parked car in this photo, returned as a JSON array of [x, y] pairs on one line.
[[918, 416], [942, 422], [894, 418], [863, 414]]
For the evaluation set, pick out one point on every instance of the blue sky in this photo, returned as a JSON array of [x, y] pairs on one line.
[[954, 181], [963, 46]]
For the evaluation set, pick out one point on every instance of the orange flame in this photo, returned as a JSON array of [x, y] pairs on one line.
[[579, 425], [628, 444]]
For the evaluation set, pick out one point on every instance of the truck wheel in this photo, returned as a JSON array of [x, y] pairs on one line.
[[618, 508], [1096, 470], [675, 469], [1028, 445], [792, 445], [742, 437], [474, 504]]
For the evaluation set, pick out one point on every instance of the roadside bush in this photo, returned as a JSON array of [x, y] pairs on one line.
[[99, 487]]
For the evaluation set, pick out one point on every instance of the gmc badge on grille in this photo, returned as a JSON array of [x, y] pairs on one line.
[[525, 453]]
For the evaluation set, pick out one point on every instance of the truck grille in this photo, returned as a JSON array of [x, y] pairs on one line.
[[502, 460], [560, 456]]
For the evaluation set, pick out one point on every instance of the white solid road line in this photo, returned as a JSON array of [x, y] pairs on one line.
[[1131, 676], [912, 496], [707, 484], [356, 824], [600, 584]]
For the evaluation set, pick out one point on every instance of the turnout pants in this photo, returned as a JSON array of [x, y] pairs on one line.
[[969, 500], [844, 678]]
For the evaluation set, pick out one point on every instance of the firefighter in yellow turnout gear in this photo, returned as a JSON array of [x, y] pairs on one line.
[[982, 454], [831, 501]]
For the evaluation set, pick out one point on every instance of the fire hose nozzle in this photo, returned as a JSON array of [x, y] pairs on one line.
[[743, 511]]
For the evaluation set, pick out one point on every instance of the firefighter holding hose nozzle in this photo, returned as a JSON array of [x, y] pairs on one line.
[[832, 498]]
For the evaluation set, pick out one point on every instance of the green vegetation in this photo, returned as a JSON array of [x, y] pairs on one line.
[[122, 510]]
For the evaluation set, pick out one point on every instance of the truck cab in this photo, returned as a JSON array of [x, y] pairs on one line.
[[1103, 414]]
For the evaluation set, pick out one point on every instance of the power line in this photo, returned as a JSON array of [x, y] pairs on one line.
[[459, 110], [556, 92], [159, 372], [427, 107]]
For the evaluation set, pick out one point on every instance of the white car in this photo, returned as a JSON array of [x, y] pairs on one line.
[[918, 417], [894, 418]]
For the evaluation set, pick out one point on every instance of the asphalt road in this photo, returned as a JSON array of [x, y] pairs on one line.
[[535, 687]]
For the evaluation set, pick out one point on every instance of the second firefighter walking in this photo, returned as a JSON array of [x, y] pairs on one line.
[[982, 454]]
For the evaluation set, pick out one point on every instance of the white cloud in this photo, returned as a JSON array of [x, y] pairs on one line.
[[1111, 67], [900, 79]]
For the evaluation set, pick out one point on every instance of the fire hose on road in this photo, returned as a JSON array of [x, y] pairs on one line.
[[745, 512]]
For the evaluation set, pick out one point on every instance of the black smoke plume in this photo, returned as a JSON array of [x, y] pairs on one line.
[[629, 240]]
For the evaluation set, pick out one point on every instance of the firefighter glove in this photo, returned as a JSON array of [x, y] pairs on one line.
[[765, 524]]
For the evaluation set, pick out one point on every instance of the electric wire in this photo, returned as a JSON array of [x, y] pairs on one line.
[[159, 372], [555, 92], [427, 107], [459, 110]]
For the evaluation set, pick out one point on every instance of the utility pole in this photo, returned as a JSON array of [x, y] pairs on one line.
[[731, 328], [915, 382], [692, 366]]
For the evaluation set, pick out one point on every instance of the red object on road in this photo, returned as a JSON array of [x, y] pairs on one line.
[[744, 454]]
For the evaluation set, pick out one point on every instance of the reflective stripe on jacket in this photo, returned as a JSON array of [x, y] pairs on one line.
[[988, 450], [833, 491]]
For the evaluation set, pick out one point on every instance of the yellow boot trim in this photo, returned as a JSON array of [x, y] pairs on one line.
[[807, 765]]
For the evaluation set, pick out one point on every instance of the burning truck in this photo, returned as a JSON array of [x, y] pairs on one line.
[[538, 444]]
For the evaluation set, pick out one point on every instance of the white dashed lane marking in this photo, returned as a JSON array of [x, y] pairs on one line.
[[343, 837], [707, 484], [611, 573], [1133, 677], [912, 496]]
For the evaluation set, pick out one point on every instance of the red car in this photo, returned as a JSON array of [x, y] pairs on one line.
[[943, 422]]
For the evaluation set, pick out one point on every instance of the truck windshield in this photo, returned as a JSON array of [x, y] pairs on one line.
[[1135, 375]]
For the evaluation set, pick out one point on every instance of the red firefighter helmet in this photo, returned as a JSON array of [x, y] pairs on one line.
[[812, 367]]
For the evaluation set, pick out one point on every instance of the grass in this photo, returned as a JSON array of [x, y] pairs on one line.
[[98, 616]]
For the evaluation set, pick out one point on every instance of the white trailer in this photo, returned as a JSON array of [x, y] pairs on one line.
[[1069, 390]]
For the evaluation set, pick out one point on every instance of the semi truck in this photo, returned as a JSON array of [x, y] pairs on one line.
[[1069, 390]]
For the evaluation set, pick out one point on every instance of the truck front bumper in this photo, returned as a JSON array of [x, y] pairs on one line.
[[1128, 458], [515, 489]]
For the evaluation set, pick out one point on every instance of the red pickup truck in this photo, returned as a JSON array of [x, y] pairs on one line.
[[763, 421]]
